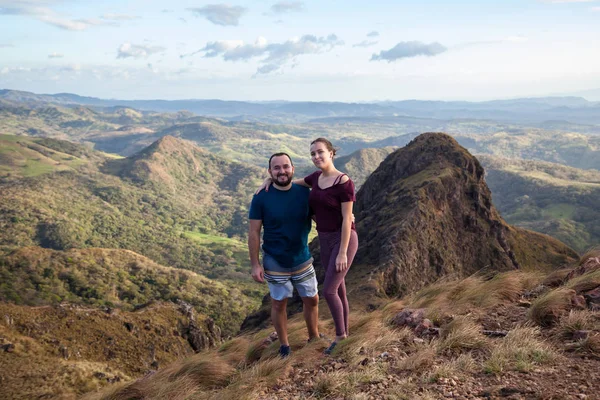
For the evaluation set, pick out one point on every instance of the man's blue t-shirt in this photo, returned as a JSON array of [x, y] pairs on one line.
[[286, 223]]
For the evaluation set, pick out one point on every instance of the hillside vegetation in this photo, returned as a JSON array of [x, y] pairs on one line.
[[117, 279], [545, 197], [151, 203], [485, 336], [572, 149]]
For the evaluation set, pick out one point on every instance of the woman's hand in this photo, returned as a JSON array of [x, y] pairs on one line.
[[341, 262], [265, 185]]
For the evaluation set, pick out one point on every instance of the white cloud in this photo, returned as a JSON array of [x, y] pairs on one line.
[[39, 9], [365, 43], [220, 14], [266, 69], [287, 6], [509, 39], [275, 55], [12, 70], [373, 34], [5, 45], [71, 68], [55, 55], [119, 17], [127, 50], [409, 49]]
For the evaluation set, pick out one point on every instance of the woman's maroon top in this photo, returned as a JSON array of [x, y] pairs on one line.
[[326, 204]]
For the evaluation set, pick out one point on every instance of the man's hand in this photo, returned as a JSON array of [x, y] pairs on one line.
[[258, 273]]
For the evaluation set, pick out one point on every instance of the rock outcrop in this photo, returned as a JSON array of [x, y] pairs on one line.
[[426, 212]]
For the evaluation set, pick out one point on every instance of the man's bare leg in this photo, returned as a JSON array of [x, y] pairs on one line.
[[279, 318], [311, 315]]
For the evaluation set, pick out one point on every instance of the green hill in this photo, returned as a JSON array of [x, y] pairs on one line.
[[114, 278], [155, 203], [361, 163], [572, 149], [546, 197]]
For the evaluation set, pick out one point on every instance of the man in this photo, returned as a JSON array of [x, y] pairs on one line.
[[284, 214]]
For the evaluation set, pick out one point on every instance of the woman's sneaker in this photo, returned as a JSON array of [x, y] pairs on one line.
[[330, 348]]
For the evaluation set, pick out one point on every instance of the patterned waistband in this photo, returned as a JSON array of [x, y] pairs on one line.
[[300, 275]]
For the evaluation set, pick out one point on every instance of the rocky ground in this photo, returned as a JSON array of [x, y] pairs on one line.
[[574, 376], [564, 365]]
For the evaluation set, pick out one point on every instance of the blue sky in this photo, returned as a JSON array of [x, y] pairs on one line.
[[301, 50]]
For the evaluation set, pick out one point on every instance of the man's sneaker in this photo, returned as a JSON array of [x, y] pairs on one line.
[[284, 351]]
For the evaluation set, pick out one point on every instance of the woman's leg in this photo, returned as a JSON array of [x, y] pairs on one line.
[[334, 288], [352, 248]]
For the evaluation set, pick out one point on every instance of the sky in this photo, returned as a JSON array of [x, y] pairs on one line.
[[351, 51]]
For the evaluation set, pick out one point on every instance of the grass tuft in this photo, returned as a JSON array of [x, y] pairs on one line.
[[207, 373], [520, 350], [461, 334], [576, 321], [419, 361], [546, 310]]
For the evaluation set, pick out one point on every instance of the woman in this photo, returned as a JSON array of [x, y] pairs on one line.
[[331, 200]]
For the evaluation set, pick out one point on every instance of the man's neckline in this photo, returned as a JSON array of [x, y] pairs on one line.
[[282, 189]]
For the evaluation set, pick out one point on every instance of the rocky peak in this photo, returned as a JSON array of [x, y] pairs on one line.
[[426, 212]]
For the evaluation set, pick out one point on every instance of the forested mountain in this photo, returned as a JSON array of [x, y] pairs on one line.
[[554, 199], [525, 110]]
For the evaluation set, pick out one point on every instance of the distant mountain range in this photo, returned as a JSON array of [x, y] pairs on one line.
[[526, 110]]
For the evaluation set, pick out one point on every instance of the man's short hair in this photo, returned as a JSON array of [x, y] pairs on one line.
[[279, 155]]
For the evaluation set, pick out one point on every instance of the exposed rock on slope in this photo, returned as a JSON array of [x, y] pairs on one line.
[[426, 212]]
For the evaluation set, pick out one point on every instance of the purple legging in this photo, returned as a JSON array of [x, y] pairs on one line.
[[334, 288]]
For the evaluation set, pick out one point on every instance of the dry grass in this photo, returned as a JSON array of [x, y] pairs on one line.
[[235, 350], [461, 334], [592, 253], [587, 281], [419, 361], [464, 364], [343, 384], [245, 367], [407, 389], [178, 381], [390, 310], [205, 372], [556, 278], [520, 350], [447, 297], [328, 385], [248, 382], [589, 345], [546, 310], [577, 321], [266, 372], [154, 389], [370, 336]]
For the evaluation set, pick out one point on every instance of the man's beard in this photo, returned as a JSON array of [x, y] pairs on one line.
[[276, 179]]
